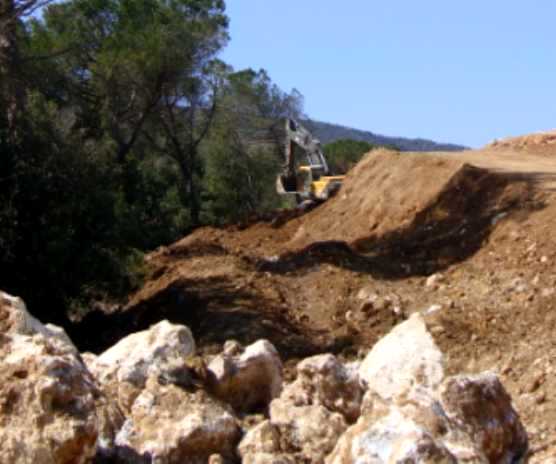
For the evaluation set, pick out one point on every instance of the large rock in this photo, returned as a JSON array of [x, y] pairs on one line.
[[324, 380], [393, 438], [309, 416], [310, 431], [47, 396], [247, 380], [404, 359], [294, 434], [48, 345], [15, 319], [468, 419], [481, 408], [110, 421], [263, 438], [168, 425], [299, 429], [123, 369], [262, 445], [411, 413], [110, 415]]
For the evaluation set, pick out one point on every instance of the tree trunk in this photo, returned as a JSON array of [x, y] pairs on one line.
[[194, 202], [188, 195], [12, 91]]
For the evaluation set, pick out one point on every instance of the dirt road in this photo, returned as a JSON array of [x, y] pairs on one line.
[[540, 169]]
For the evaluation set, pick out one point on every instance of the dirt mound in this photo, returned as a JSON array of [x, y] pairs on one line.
[[389, 200], [390, 194], [539, 143]]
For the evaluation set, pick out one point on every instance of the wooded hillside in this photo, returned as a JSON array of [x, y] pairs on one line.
[[328, 132]]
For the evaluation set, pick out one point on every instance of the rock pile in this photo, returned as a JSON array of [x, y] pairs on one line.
[[150, 399], [47, 411]]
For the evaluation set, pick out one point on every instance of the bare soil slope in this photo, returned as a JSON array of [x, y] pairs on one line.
[[391, 193], [340, 276]]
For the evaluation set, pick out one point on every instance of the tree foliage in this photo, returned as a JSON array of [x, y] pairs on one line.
[[12, 89], [245, 149], [343, 154], [121, 132]]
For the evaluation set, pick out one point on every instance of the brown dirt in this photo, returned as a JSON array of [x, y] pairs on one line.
[[382, 195], [540, 143], [481, 219]]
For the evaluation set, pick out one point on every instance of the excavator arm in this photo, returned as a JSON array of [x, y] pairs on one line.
[[299, 138], [305, 173]]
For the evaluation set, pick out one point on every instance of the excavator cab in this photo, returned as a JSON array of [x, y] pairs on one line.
[[305, 174]]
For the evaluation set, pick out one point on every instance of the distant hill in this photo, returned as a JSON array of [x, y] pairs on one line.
[[327, 133]]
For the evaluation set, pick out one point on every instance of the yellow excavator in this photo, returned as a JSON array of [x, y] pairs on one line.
[[305, 173]]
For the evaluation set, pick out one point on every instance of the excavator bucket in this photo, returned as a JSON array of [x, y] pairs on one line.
[[284, 185], [299, 184]]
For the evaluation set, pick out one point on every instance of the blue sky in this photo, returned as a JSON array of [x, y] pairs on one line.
[[464, 72]]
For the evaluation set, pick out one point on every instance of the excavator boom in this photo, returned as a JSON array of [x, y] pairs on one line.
[[305, 172]]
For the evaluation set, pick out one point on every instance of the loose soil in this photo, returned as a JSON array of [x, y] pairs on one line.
[[340, 276]]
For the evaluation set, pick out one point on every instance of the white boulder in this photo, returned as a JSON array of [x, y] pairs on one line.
[[247, 380], [411, 413], [124, 368], [169, 425], [404, 359], [16, 319], [47, 402], [393, 438], [468, 419]]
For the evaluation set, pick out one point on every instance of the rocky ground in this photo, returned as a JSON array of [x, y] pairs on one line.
[[408, 319], [151, 398]]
